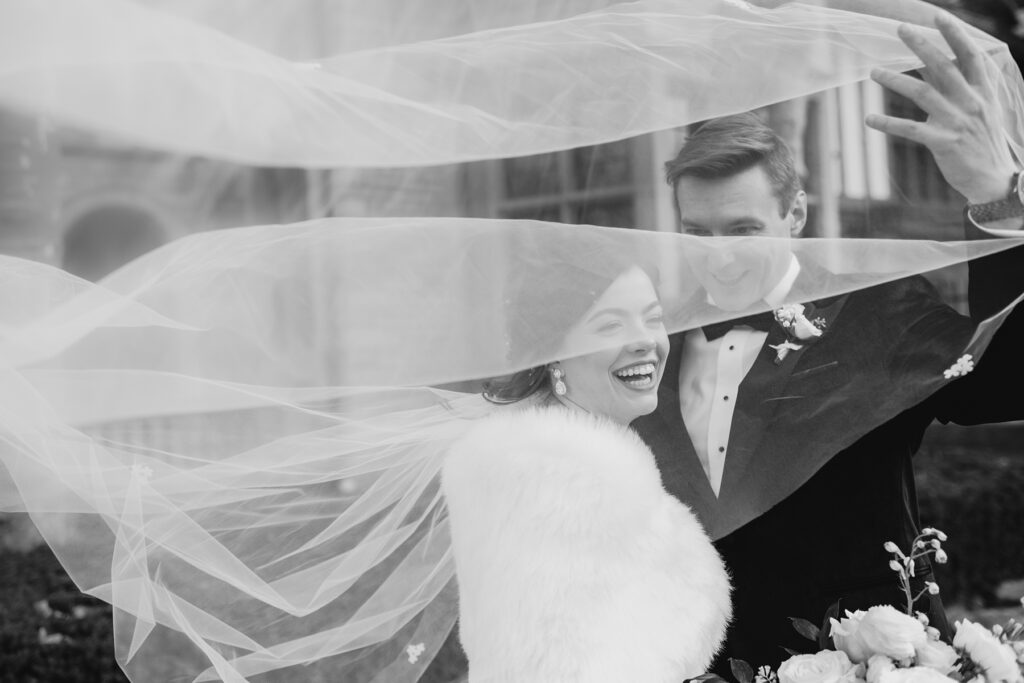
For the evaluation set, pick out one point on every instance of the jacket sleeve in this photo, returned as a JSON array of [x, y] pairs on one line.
[[988, 394]]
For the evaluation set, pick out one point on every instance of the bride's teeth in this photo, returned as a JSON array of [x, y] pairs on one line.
[[645, 369]]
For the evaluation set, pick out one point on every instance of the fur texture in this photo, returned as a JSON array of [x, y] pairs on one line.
[[573, 563]]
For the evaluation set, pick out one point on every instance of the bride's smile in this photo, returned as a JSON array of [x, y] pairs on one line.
[[639, 376]]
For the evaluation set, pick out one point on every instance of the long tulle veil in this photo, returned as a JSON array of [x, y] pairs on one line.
[[235, 438]]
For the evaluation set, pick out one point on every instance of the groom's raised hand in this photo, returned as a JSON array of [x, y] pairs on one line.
[[964, 128]]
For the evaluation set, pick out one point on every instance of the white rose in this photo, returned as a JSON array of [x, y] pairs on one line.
[[827, 666], [787, 314], [998, 660], [880, 630], [804, 328], [937, 655], [878, 666], [915, 674], [845, 635], [884, 630]]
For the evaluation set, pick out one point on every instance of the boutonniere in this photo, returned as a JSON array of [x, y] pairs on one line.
[[799, 329]]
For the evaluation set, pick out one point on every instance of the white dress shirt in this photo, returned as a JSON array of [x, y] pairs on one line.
[[710, 373]]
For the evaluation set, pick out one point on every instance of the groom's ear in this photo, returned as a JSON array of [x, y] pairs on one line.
[[798, 214]]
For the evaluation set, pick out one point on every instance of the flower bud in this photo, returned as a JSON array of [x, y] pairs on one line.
[[891, 547], [922, 617], [940, 556], [933, 587], [895, 566], [997, 630], [936, 544], [942, 536], [933, 633]]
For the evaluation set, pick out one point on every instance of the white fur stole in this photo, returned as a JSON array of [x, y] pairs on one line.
[[573, 563]]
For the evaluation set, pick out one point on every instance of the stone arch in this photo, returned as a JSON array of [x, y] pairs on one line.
[[105, 237]]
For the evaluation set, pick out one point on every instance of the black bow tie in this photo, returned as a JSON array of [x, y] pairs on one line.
[[758, 321]]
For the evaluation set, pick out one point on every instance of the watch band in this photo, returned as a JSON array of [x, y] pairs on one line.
[[1012, 206]]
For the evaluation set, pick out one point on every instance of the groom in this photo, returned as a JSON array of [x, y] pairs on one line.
[[741, 432]]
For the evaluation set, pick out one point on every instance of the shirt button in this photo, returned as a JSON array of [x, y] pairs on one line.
[[731, 348], [721, 449], [726, 398]]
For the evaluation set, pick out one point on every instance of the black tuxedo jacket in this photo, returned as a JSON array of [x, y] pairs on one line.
[[822, 544]]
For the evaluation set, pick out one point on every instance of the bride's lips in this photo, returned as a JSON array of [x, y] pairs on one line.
[[638, 376]]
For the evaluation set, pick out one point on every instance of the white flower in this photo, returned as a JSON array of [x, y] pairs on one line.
[[414, 652], [963, 365], [891, 547], [881, 630], [782, 350], [827, 666], [997, 660], [933, 588], [914, 674], [879, 665], [792, 318], [940, 556], [805, 329], [937, 655], [785, 315], [844, 635]]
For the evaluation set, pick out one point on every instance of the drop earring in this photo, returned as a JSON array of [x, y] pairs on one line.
[[558, 381]]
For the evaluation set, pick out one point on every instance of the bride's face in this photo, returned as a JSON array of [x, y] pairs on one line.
[[621, 380]]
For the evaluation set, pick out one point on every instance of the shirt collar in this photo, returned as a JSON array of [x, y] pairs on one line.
[[777, 296]]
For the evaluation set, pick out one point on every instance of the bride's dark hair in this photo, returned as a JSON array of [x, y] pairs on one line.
[[536, 312]]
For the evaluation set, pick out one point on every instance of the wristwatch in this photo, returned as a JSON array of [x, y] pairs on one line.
[[1012, 206]]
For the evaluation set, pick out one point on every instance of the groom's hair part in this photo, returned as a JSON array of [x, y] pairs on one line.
[[727, 146]]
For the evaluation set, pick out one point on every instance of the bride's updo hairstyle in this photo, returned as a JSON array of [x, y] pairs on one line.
[[533, 312]]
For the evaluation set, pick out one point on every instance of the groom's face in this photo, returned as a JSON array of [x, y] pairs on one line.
[[740, 269]]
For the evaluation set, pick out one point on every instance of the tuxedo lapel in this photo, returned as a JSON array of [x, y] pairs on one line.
[[761, 392], [666, 434]]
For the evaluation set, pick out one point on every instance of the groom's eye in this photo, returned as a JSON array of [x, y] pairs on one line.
[[745, 230]]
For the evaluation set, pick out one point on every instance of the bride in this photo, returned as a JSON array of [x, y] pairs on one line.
[[573, 564]]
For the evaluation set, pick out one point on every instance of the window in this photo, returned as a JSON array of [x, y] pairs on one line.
[[592, 185]]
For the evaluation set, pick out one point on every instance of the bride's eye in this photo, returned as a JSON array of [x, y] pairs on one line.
[[657, 318], [609, 327]]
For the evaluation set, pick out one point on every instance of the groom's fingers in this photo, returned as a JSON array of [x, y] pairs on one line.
[[921, 93], [942, 71], [904, 128], [970, 59]]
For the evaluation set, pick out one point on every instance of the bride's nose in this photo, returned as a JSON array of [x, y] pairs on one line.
[[643, 345]]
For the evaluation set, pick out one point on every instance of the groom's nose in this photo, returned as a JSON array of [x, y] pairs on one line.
[[720, 256]]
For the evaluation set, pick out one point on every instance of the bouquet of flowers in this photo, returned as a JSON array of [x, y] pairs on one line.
[[885, 645]]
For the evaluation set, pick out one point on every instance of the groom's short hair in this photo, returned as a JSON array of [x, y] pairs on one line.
[[727, 146]]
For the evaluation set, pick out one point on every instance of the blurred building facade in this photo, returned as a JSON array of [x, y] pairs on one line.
[[89, 204]]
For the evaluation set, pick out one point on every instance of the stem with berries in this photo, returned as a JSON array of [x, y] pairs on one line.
[[928, 542]]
